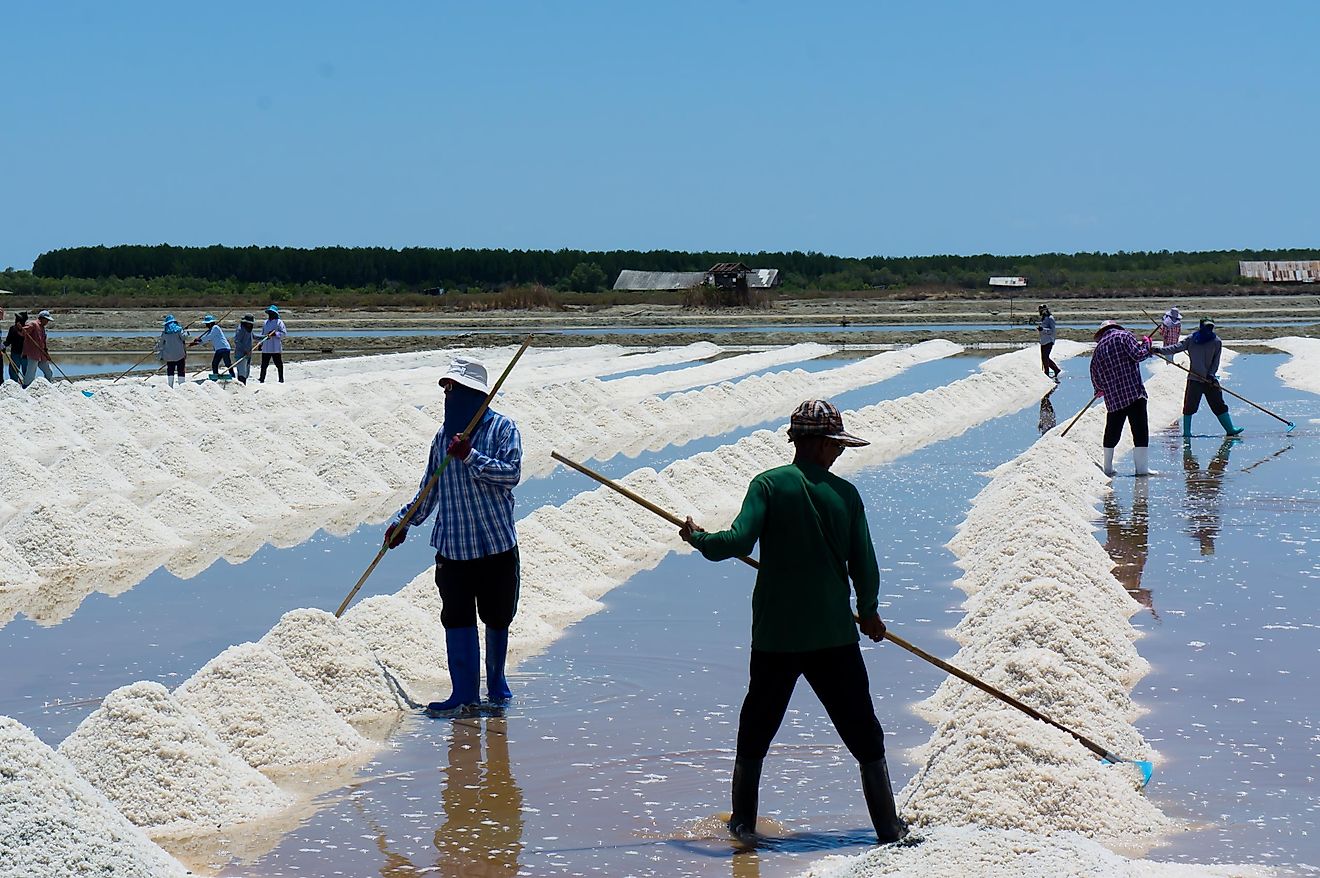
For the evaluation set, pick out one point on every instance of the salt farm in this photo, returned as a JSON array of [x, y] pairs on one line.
[[180, 698]]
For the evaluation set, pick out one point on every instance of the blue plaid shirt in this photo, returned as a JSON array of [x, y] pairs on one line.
[[475, 495]]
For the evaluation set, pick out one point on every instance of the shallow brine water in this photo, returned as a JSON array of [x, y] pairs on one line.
[[615, 756]]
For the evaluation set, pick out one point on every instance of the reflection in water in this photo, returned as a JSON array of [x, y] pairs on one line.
[[1204, 488], [746, 864], [1047, 418], [483, 828], [1128, 542]]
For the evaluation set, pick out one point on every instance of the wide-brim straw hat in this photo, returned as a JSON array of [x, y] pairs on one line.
[[468, 373]]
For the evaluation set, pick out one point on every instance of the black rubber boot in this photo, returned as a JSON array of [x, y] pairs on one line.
[[746, 793], [889, 827]]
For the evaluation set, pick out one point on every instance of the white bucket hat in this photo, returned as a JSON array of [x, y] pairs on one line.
[[467, 372]]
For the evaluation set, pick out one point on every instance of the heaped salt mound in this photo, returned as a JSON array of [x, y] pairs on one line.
[[406, 640], [123, 529], [15, 571], [1044, 681], [246, 494], [298, 486], [1106, 649], [968, 852], [51, 535], [264, 712], [1003, 769], [163, 768], [332, 660], [347, 474], [184, 460], [1043, 562], [227, 452], [194, 511], [988, 606], [53, 823]]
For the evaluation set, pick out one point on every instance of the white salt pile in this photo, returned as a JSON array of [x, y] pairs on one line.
[[637, 386], [54, 823], [332, 660], [164, 769], [405, 639], [964, 852], [265, 713], [1303, 370]]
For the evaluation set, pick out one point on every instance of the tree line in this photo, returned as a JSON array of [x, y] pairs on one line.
[[415, 269]]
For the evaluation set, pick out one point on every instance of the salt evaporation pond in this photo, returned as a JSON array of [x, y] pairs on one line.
[[609, 736], [180, 624]]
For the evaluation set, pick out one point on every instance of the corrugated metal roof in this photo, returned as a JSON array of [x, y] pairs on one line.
[[1297, 270], [658, 280], [630, 279]]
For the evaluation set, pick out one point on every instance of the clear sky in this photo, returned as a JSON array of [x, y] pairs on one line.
[[855, 128]]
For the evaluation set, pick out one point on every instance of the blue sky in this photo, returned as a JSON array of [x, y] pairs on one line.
[[850, 128]]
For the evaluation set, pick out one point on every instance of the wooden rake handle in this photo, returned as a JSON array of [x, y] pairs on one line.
[[431, 483], [889, 635]]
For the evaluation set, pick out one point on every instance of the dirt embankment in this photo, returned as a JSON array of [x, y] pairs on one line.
[[830, 321]]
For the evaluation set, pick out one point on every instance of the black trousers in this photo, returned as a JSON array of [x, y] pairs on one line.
[[481, 586], [1046, 362], [176, 367], [1135, 415], [279, 365], [1197, 389], [221, 356], [838, 677]]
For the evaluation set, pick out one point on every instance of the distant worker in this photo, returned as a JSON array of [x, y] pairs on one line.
[[1171, 327], [1116, 375], [1048, 420], [1203, 348], [243, 347], [35, 351], [172, 350], [476, 545], [14, 344], [219, 345], [1048, 331], [272, 345], [814, 538]]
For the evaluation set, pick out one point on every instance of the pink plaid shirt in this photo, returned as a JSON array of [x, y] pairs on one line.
[[1115, 369], [1170, 332]]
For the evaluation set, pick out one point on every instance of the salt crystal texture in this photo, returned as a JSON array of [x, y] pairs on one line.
[[163, 768], [332, 660], [264, 712], [54, 824]]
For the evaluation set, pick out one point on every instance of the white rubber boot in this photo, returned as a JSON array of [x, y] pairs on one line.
[[1141, 461], [170, 378], [1109, 462]]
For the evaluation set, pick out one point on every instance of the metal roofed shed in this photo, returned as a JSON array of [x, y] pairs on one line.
[[658, 280], [637, 281], [1300, 271], [1017, 281]]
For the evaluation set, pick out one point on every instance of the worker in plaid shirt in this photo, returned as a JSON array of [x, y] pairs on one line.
[[476, 546], [1116, 375]]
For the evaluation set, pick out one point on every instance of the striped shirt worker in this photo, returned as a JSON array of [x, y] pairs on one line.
[[475, 494], [1115, 369]]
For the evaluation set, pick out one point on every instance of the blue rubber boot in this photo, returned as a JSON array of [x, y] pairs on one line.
[[1187, 426], [497, 650], [1227, 420], [464, 652]]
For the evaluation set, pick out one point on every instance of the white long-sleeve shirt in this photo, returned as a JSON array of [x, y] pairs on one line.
[[216, 336]]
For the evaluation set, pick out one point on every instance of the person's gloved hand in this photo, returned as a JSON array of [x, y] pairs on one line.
[[1146, 339], [873, 627], [1099, 394], [459, 447], [688, 529], [395, 534]]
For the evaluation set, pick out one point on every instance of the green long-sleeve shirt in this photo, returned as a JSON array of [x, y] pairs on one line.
[[810, 523]]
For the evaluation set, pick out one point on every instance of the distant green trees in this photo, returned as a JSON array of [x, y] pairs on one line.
[[412, 269]]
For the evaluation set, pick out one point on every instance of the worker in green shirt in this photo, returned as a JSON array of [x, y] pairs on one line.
[[814, 538]]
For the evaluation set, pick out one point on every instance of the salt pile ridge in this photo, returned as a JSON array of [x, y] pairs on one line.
[[1303, 370], [163, 768], [1004, 779], [55, 824], [184, 493], [962, 852]]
